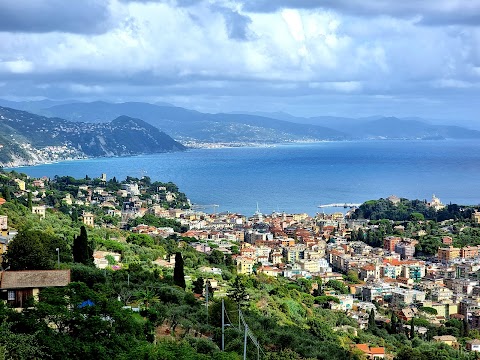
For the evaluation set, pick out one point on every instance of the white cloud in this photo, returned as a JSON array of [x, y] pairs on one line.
[[218, 48], [20, 66]]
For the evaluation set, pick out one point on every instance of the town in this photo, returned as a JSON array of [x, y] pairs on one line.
[[375, 271]]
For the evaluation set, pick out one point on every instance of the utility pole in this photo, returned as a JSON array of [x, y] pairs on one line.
[[128, 279], [58, 257], [223, 325], [245, 343]]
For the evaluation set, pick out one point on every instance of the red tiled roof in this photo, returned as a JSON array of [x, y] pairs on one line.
[[377, 350]]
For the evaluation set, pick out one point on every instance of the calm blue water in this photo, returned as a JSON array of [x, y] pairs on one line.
[[297, 178]]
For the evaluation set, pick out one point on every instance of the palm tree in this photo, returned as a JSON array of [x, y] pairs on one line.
[[147, 296]]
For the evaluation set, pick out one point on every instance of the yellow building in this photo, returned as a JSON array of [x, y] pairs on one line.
[[88, 219], [245, 265], [448, 254], [446, 339], [476, 217], [21, 184]]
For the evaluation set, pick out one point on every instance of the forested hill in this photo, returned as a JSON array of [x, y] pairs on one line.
[[28, 138], [409, 210]]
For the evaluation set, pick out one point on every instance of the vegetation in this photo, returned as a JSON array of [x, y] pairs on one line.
[[136, 309]]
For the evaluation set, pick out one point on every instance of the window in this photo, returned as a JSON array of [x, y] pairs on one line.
[[11, 295]]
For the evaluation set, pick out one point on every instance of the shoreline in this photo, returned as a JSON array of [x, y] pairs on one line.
[[201, 146]]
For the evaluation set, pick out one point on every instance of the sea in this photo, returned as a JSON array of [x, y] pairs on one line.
[[297, 178]]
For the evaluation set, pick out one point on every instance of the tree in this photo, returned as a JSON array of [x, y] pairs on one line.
[[6, 191], [238, 292], [74, 215], [371, 320], [198, 285], [216, 257], [29, 251], [82, 251], [412, 328], [178, 272], [29, 201]]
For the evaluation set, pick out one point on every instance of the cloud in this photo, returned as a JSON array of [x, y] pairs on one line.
[[428, 12], [41, 16], [283, 55], [236, 23]]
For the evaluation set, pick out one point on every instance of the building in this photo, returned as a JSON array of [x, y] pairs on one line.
[[435, 203], [88, 219], [475, 320], [446, 339], [21, 184], [402, 297], [269, 270], [371, 352], [447, 254], [469, 252], [476, 217], [473, 345], [245, 265], [16, 287], [447, 240], [405, 250], [39, 210], [390, 242]]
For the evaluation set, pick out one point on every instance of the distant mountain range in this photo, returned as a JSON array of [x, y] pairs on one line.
[[107, 129], [29, 138], [189, 125]]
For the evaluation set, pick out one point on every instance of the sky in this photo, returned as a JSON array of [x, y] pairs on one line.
[[306, 57]]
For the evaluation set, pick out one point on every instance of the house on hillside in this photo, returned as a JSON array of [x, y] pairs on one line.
[[371, 352], [16, 287]]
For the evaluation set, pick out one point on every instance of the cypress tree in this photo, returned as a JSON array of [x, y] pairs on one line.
[[6, 190], [198, 285], [178, 272], [82, 252], [74, 215], [371, 320], [29, 201], [412, 328]]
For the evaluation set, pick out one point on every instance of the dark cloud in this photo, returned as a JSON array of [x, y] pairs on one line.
[[41, 16], [431, 12]]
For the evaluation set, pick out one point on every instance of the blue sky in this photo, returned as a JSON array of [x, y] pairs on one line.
[[306, 57]]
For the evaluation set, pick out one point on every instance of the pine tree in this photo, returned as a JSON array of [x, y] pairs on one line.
[[82, 251], [178, 272]]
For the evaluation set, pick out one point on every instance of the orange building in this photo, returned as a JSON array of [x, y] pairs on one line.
[[448, 254], [468, 252], [390, 242]]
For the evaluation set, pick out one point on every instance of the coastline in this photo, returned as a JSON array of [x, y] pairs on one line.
[[37, 160]]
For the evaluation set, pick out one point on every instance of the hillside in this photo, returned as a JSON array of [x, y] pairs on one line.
[[30, 138], [190, 125]]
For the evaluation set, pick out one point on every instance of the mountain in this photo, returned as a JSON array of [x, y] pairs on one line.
[[395, 128], [30, 138], [258, 127], [190, 125], [34, 105]]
